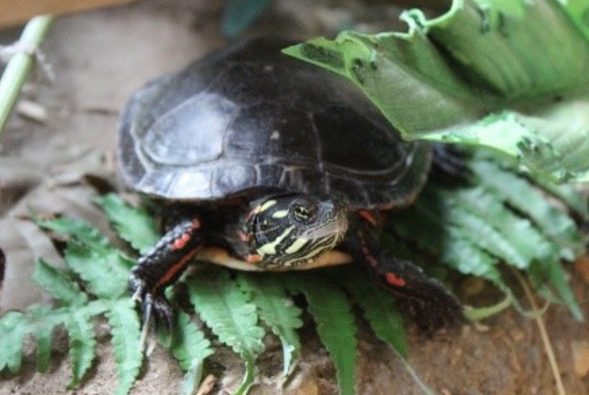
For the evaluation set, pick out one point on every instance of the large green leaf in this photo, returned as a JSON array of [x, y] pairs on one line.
[[488, 72]]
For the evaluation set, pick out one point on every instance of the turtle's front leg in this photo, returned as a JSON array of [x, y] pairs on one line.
[[163, 265], [426, 299]]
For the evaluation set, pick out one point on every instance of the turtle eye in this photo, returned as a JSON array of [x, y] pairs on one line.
[[304, 212]]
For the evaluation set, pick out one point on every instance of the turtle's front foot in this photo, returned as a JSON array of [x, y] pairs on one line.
[[162, 266], [155, 306]]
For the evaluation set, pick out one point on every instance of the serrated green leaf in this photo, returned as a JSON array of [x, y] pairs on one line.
[[82, 344], [14, 326], [277, 310], [11, 342], [75, 228], [552, 272], [336, 325], [425, 223], [227, 311], [43, 352], [188, 342], [230, 315], [43, 334], [190, 347], [105, 271], [125, 331], [58, 284], [379, 308], [133, 224], [490, 225], [529, 201]]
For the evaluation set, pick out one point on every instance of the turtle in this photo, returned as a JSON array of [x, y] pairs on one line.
[[262, 162]]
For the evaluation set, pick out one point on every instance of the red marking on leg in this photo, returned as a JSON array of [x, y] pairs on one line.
[[172, 271], [395, 280], [180, 242], [368, 216], [253, 258], [244, 237]]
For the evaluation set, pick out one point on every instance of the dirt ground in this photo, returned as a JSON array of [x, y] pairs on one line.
[[99, 59]]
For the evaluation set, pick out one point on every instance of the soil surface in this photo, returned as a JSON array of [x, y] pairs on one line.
[[98, 59]]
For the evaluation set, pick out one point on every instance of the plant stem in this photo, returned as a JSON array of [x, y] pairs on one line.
[[544, 335], [20, 64]]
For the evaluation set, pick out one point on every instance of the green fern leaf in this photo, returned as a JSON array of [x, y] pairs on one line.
[[133, 224], [74, 229], [425, 224], [59, 284], [105, 271], [190, 347], [552, 272], [230, 315], [277, 310], [12, 327], [335, 324], [188, 342], [227, 311], [521, 195], [379, 308], [82, 344], [494, 228], [125, 330], [43, 335]]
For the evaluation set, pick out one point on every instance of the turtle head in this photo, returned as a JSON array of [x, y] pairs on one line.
[[290, 230]]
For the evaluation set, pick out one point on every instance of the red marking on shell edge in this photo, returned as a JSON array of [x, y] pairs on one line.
[[181, 241], [253, 258], [395, 280]]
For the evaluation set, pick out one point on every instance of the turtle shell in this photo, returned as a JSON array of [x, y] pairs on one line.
[[249, 118]]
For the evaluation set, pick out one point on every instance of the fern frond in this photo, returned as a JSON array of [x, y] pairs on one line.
[[82, 344], [15, 326], [528, 200], [378, 306], [230, 315], [277, 310], [105, 271], [133, 224], [74, 229], [43, 335], [336, 327], [59, 284], [190, 347], [125, 329], [495, 228]]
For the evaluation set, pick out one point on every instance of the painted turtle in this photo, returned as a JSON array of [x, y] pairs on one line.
[[263, 162]]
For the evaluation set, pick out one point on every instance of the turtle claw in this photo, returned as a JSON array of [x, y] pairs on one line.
[[156, 307]]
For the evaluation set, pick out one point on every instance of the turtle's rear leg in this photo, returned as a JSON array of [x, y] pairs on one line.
[[162, 266]]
